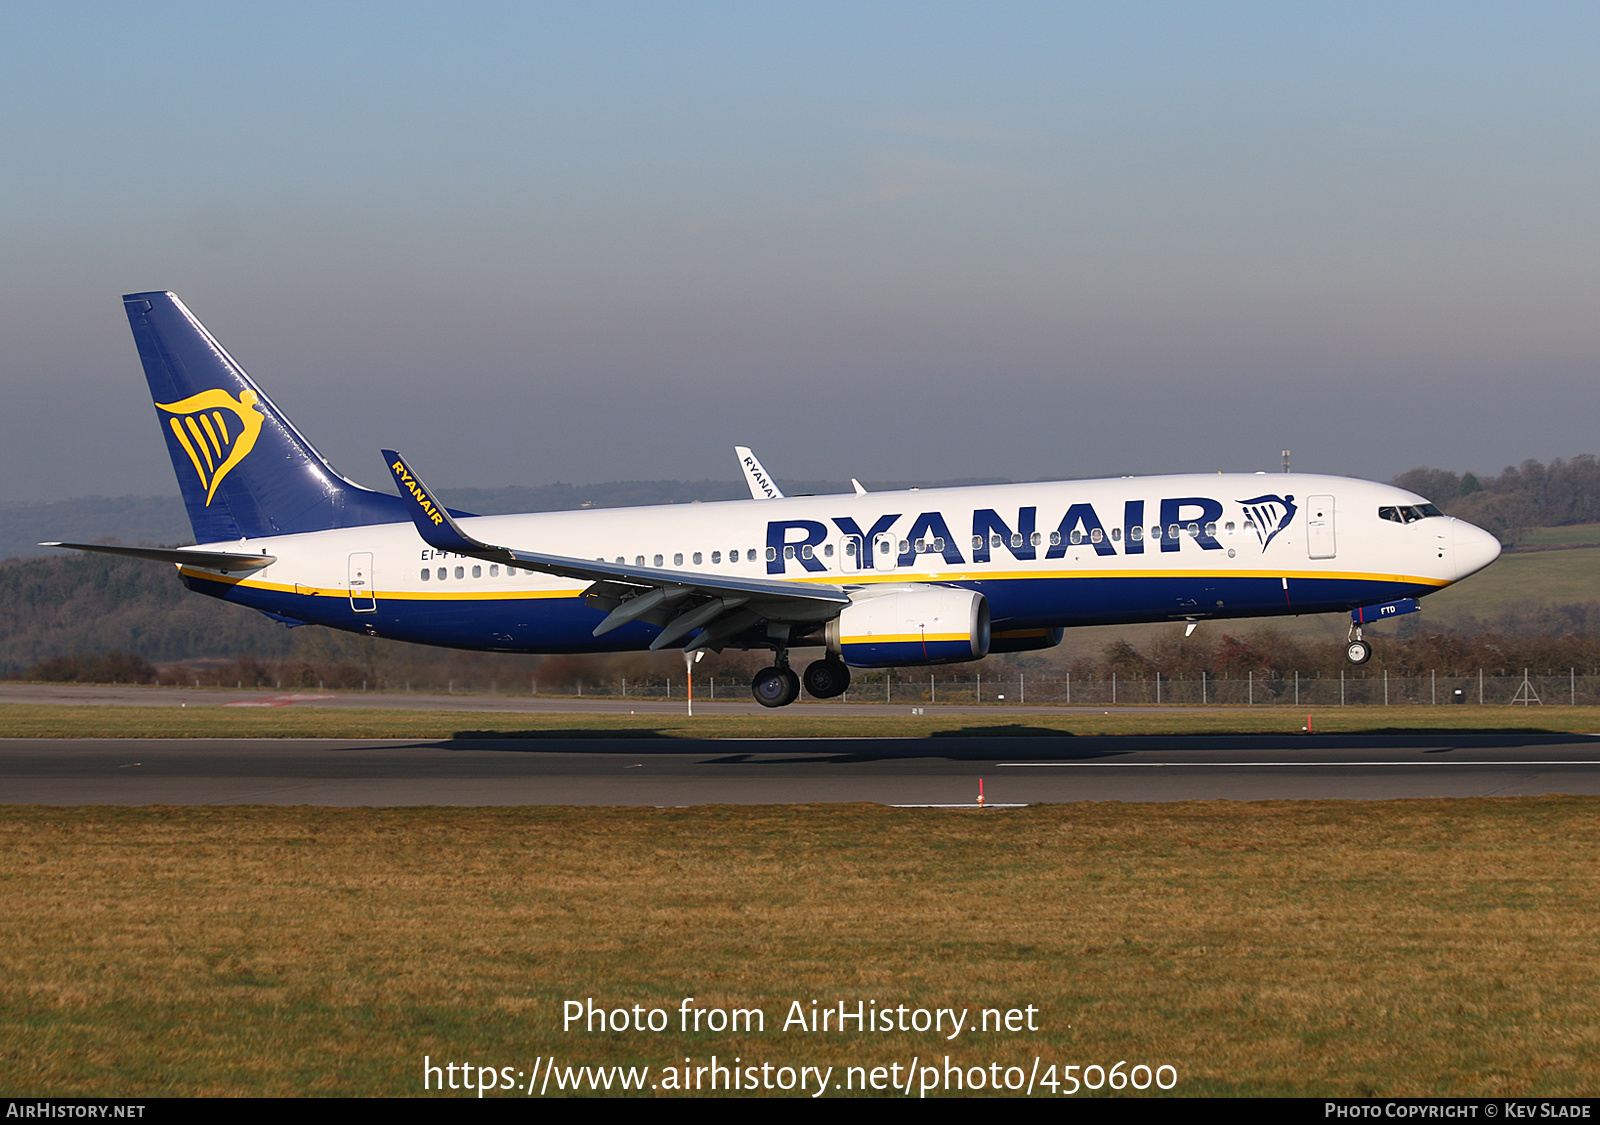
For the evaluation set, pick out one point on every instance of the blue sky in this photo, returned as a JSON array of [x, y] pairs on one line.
[[528, 243]]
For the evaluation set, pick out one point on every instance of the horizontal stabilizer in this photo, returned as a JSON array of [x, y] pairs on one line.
[[224, 561]]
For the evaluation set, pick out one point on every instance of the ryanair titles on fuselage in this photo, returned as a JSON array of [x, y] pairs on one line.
[[1182, 517]]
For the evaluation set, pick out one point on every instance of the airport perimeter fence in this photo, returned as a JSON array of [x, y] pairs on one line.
[[1349, 689]]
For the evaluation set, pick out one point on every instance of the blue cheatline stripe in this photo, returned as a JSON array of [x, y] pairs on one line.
[[566, 624]]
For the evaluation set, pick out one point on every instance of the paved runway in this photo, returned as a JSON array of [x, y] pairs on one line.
[[931, 771]]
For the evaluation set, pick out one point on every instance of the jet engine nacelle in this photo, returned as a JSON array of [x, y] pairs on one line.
[[927, 625], [1025, 640]]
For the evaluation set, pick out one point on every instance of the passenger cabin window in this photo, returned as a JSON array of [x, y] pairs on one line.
[[697, 558], [1136, 534], [477, 572], [677, 559], [716, 558], [494, 571], [426, 574]]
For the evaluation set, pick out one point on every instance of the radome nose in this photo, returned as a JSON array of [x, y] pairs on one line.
[[1475, 548]]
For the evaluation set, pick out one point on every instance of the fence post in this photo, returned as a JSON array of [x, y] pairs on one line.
[[1158, 688], [1341, 687], [1480, 687], [932, 693], [1022, 687], [1433, 682], [1573, 672], [1069, 687], [1386, 687], [1113, 687], [1251, 698], [1297, 689], [1202, 685], [979, 688]]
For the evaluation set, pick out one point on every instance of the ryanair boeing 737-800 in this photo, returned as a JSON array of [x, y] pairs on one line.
[[873, 578]]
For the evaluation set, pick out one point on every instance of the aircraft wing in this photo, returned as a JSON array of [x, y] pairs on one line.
[[680, 601], [224, 561]]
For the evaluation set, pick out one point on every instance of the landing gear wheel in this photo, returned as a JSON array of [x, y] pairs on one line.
[[775, 687], [1358, 652], [825, 679]]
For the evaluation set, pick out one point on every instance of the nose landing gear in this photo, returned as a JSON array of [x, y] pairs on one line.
[[1356, 650]]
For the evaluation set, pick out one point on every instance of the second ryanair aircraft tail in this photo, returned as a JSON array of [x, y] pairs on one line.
[[244, 470]]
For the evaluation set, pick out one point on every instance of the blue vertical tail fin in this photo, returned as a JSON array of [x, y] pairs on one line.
[[243, 468]]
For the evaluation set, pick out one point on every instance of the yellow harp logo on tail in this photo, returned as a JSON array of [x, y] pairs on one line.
[[216, 431]]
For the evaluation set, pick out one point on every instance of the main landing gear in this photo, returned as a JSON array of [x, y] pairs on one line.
[[778, 686], [827, 678], [1356, 650]]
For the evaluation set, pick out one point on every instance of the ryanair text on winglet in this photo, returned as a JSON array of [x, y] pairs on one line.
[[410, 483]]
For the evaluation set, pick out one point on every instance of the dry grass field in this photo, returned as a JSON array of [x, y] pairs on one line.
[[1302, 948]]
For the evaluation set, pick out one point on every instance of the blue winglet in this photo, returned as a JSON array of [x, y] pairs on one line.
[[432, 521]]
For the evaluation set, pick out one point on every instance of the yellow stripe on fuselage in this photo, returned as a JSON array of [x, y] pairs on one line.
[[865, 579]]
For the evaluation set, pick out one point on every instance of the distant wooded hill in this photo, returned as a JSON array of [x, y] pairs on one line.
[[1520, 499]]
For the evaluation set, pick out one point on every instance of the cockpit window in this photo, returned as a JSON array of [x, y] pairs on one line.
[[1408, 513]]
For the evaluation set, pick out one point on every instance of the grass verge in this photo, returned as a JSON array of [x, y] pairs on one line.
[[66, 721], [1404, 948]]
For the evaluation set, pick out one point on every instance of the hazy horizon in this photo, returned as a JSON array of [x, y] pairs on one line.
[[570, 243]]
